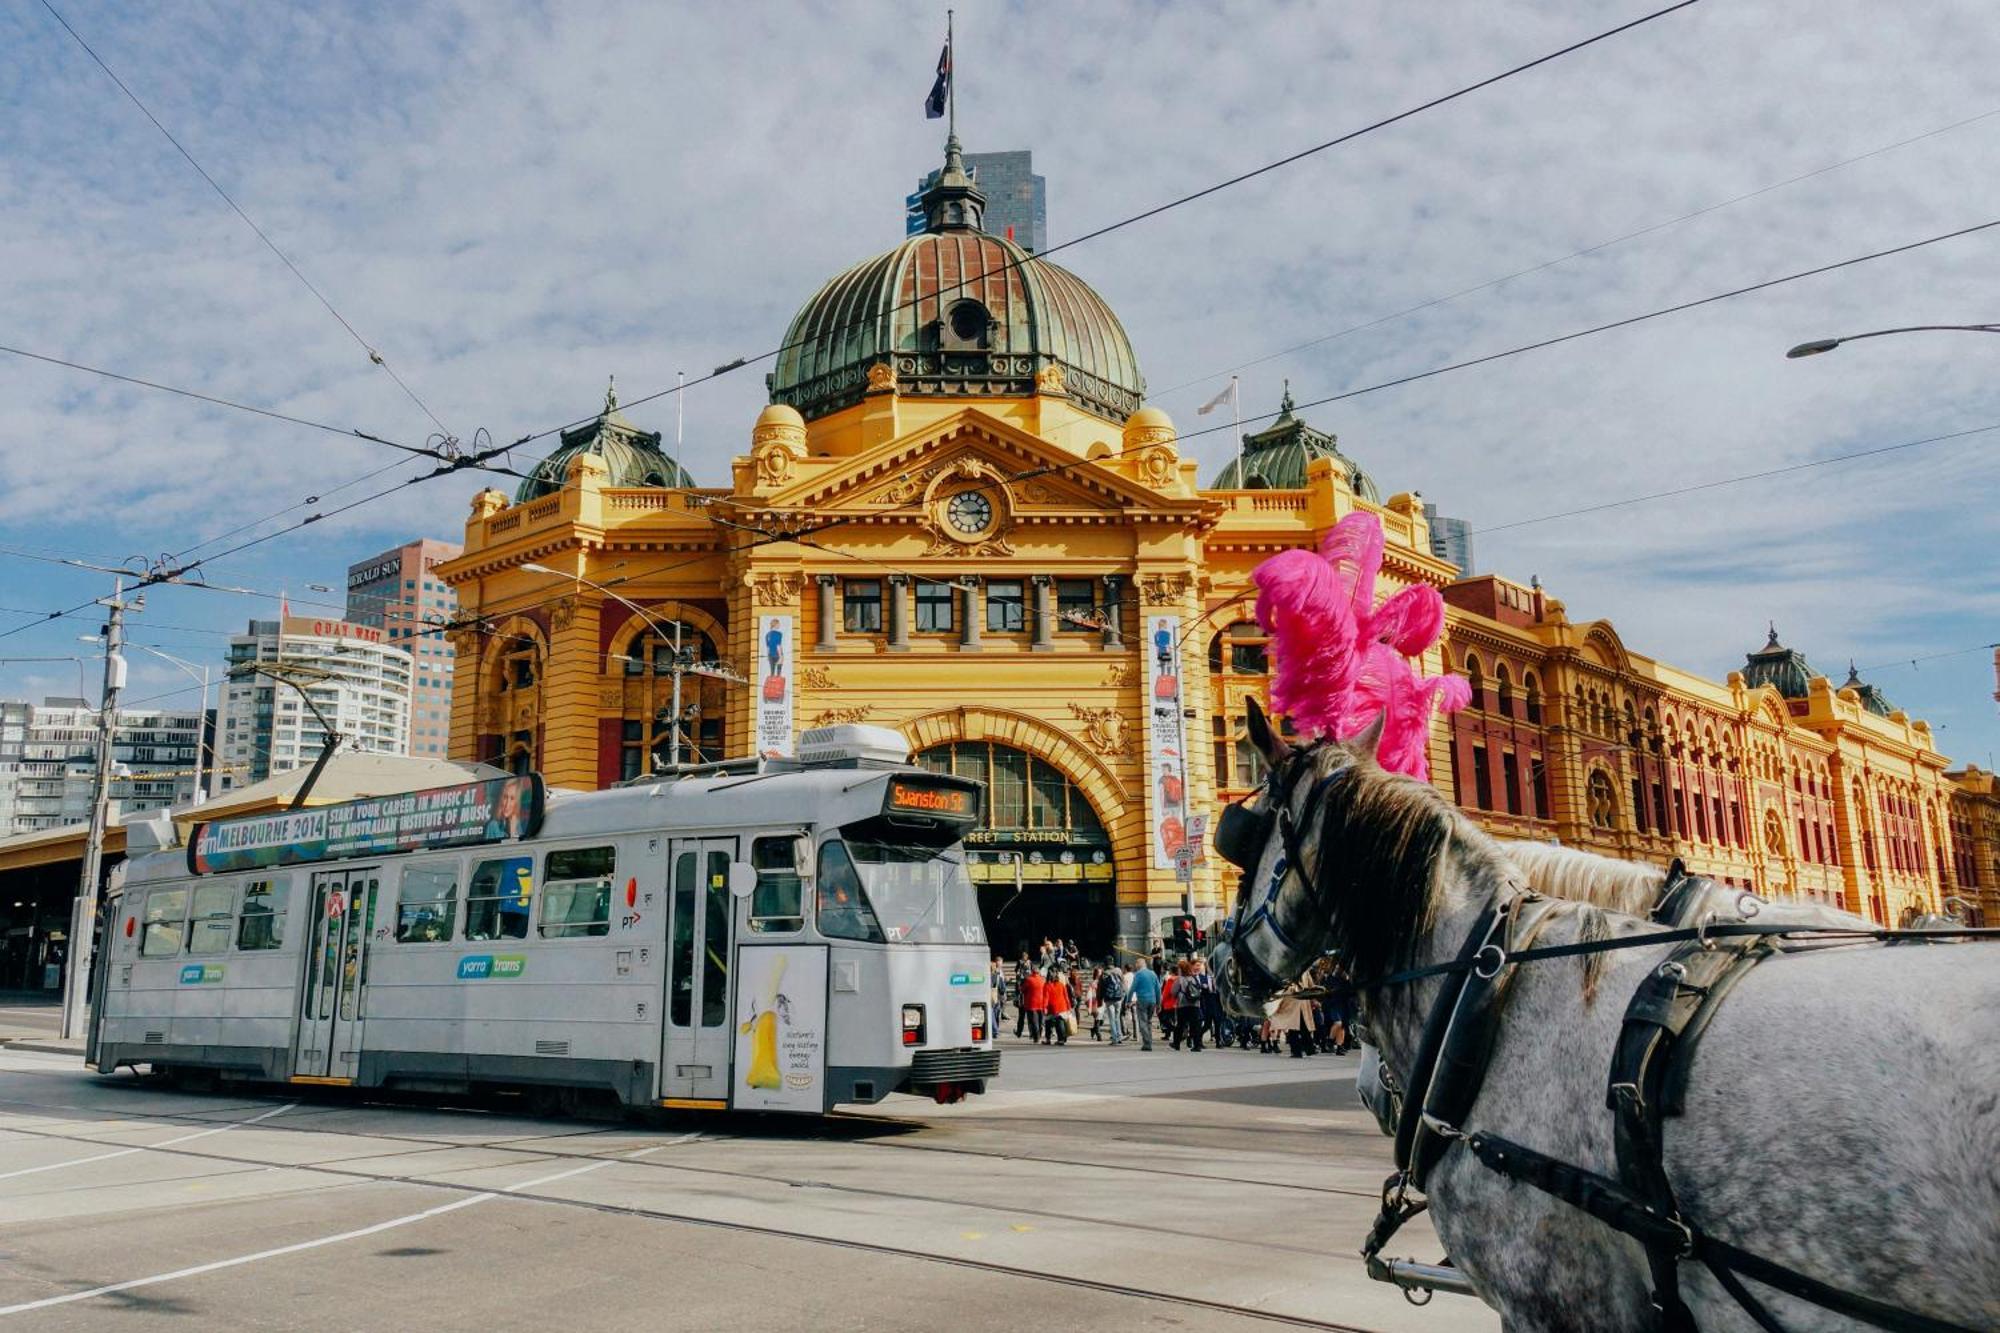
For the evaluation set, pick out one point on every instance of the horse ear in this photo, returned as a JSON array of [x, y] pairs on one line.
[[1370, 739], [1259, 728]]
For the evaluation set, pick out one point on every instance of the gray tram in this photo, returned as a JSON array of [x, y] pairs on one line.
[[777, 935]]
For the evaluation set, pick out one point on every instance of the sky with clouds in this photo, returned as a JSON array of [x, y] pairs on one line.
[[513, 201]]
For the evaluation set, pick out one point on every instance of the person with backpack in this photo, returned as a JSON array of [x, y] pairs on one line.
[[1110, 995], [1187, 1006], [1144, 987], [1211, 1004]]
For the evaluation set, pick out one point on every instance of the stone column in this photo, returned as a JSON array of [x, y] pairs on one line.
[[1045, 614], [899, 613], [829, 640], [968, 630], [1114, 614]]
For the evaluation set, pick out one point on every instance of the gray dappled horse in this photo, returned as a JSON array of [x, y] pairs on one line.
[[1842, 1118]]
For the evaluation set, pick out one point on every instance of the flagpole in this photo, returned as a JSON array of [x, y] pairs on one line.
[[1236, 415], [951, 77], [680, 411]]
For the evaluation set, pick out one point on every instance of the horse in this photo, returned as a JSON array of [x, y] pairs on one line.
[[1555, 871], [1841, 1119]]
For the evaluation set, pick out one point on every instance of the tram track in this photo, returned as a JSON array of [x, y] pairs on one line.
[[466, 1190]]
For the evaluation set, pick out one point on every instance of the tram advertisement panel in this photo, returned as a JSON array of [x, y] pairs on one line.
[[780, 1028], [493, 810], [1166, 752]]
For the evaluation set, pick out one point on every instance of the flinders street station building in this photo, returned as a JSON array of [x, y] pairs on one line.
[[957, 519]]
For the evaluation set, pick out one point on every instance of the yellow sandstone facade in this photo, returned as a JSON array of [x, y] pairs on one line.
[[955, 520]]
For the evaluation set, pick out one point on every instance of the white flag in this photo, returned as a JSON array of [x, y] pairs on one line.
[[1226, 398]]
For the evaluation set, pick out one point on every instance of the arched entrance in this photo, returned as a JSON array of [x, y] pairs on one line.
[[1042, 860]]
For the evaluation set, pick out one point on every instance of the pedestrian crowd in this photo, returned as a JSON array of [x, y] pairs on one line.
[[1055, 992]]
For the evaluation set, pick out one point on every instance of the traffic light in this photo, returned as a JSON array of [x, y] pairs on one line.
[[1184, 934]]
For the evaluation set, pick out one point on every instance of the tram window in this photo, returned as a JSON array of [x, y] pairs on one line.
[[576, 892], [777, 905], [427, 903], [262, 924], [841, 909], [715, 943], [498, 898], [166, 923], [214, 912]]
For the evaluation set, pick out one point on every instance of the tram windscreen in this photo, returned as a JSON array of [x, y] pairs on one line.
[[921, 895]]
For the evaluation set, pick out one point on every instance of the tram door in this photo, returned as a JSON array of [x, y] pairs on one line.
[[695, 1062], [336, 970]]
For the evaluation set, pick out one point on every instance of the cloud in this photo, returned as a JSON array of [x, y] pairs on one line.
[[513, 201]]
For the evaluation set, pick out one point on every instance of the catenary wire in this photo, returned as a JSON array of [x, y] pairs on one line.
[[1152, 212], [373, 355], [1614, 324], [1597, 248]]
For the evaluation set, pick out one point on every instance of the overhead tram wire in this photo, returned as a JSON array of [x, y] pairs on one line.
[[1142, 216], [1614, 324], [373, 355], [813, 529], [1597, 248]]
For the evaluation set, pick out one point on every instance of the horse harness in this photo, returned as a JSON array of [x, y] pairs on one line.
[[1716, 946]]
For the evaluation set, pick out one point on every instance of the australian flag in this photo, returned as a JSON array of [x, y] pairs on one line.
[[941, 90]]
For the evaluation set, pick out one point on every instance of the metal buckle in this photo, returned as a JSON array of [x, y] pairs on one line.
[[1441, 1129], [1499, 961], [1701, 928]]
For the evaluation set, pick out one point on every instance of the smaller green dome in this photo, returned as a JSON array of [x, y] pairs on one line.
[[1275, 458], [1872, 697], [631, 456], [1785, 669]]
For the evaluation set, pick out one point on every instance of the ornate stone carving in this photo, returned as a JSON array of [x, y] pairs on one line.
[[1037, 493], [908, 486], [944, 545], [775, 589], [1118, 675], [881, 378], [1104, 730], [1163, 588], [775, 464], [1049, 379], [1159, 466], [611, 698], [817, 678], [835, 717], [562, 615]]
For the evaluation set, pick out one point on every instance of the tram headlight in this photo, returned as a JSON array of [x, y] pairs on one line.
[[979, 1022], [913, 1025]]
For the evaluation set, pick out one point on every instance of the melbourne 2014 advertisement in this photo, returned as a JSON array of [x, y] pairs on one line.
[[492, 810]]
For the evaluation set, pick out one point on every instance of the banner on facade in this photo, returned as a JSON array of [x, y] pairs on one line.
[[1166, 742], [492, 810], [781, 1029], [774, 688]]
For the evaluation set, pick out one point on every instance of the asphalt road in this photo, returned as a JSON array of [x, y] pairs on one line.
[[1094, 1188]]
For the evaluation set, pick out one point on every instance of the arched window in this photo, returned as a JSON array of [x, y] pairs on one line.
[[1023, 791], [1602, 800], [1503, 690], [647, 731], [1774, 833], [1475, 680], [1652, 732], [1533, 691], [1241, 649]]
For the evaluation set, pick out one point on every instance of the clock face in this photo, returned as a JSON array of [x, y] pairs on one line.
[[969, 512]]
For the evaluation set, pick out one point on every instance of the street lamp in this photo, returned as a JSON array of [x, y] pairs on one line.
[[1818, 345], [681, 666]]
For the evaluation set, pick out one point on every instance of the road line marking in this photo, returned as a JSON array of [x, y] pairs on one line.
[[299, 1246], [150, 1147]]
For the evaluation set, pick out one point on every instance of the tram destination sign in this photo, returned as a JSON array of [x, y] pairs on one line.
[[492, 810], [940, 797]]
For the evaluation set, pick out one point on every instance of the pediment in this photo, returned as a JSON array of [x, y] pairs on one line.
[[1038, 476]]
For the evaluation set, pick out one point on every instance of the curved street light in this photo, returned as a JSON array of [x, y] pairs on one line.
[[1818, 345]]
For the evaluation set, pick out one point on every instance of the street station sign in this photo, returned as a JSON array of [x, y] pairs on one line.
[[493, 810]]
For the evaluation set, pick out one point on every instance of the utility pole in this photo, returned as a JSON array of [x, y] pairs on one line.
[[83, 919]]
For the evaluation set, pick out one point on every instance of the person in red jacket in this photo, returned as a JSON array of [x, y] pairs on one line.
[[1169, 1001], [1034, 1002], [1058, 1011]]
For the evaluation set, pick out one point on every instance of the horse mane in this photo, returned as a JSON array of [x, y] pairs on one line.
[[1586, 877]]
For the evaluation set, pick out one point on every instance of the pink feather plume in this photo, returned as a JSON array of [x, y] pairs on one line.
[[1342, 661]]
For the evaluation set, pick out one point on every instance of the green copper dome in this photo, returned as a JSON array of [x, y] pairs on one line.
[[956, 313], [1275, 458], [1778, 666], [632, 456], [1872, 697]]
